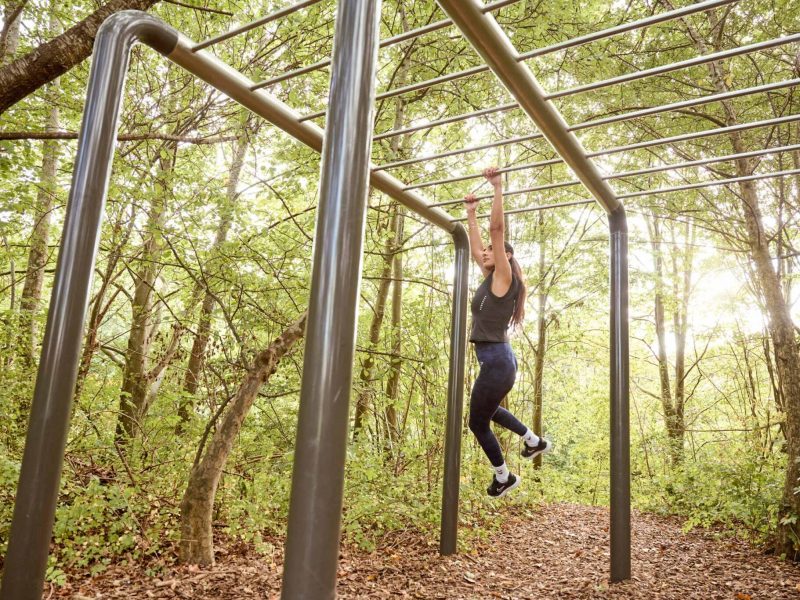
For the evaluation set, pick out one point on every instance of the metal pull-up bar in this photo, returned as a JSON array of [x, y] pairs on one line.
[[571, 43], [402, 37], [645, 112]]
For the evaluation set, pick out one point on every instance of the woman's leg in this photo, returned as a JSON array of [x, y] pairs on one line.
[[505, 419], [494, 381]]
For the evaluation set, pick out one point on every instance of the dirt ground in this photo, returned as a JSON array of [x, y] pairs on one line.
[[555, 551]]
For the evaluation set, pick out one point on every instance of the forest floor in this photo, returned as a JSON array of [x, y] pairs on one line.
[[554, 551]]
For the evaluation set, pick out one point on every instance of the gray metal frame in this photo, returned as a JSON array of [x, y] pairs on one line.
[[37, 493], [408, 35], [599, 35], [493, 45], [340, 225], [312, 540]]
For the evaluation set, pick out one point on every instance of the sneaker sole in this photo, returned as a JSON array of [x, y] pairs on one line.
[[547, 450], [514, 486]]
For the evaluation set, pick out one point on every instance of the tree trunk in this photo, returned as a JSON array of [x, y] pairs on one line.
[[367, 375], [781, 326], [37, 256], [198, 354], [100, 306], [51, 60], [9, 35], [668, 406], [541, 341], [682, 289], [396, 364], [135, 384], [197, 543]]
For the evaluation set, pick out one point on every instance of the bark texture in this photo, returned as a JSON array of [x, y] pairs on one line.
[[28, 73], [197, 543], [37, 256], [136, 380], [197, 357]]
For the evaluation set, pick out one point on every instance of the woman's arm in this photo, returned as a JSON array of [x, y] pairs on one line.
[[497, 230], [475, 241]]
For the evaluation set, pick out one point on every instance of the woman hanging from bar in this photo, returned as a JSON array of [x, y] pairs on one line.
[[499, 304]]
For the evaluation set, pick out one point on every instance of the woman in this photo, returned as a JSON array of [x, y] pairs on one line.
[[499, 303]]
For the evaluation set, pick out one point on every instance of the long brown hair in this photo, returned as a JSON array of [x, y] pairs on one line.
[[519, 303]]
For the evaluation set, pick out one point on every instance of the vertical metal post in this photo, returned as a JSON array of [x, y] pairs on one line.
[[37, 493], [455, 396], [312, 543], [620, 421]]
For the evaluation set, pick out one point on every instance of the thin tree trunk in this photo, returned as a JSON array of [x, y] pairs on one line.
[[135, 382], [367, 375], [682, 287], [541, 341], [674, 432], [197, 356], [197, 542], [100, 306], [9, 35], [781, 326], [396, 363], [31, 299]]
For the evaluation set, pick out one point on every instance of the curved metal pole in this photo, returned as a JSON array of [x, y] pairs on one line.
[[34, 510], [455, 396], [312, 540]]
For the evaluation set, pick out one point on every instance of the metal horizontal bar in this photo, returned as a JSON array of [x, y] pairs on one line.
[[411, 161], [541, 163], [636, 146], [697, 135], [491, 42], [645, 112], [679, 188], [292, 74], [693, 186], [691, 62], [237, 86], [639, 172], [454, 119], [537, 188], [531, 209], [606, 33], [704, 161], [257, 23], [674, 14], [402, 37], [606, 120], [628, 116], [413, 87]]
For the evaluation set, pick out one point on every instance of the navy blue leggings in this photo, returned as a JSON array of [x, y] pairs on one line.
[[495, 380]]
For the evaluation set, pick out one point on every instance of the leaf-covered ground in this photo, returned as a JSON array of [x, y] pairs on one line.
[[556, 551]]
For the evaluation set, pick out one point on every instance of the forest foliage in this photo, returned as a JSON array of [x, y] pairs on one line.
[[205, 259]]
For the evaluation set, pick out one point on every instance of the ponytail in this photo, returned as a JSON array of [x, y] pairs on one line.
[[519, 302]]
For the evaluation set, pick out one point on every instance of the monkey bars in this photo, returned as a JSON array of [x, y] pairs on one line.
[[313, 534]]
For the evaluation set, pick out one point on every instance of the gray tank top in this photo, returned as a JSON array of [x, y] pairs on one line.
[[491, 315]]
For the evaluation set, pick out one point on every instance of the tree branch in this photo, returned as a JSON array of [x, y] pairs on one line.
[[124, 137]]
